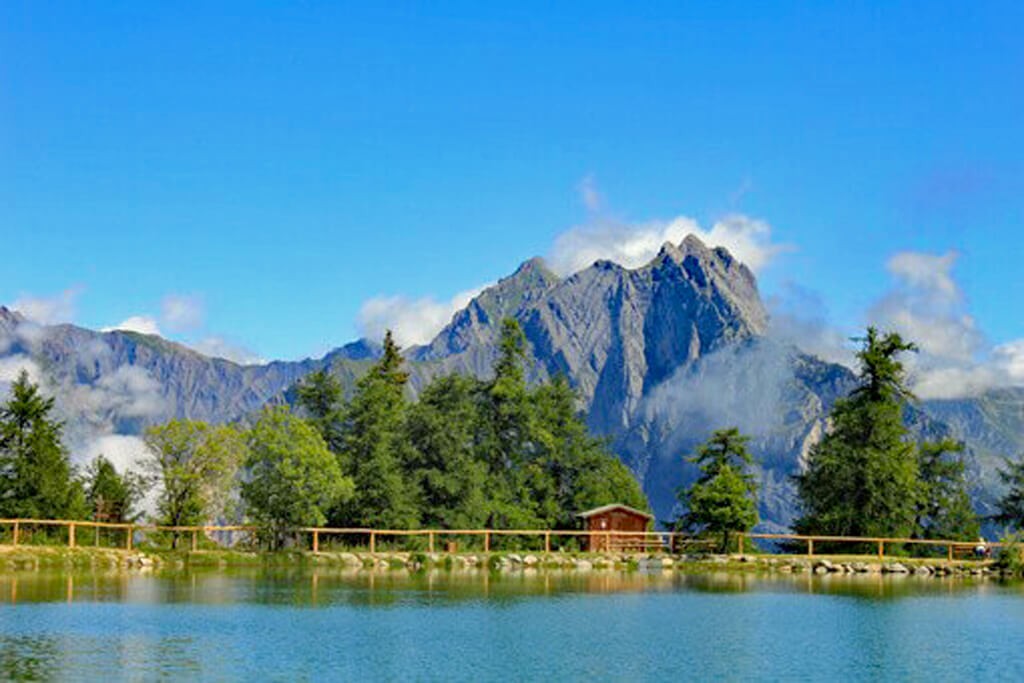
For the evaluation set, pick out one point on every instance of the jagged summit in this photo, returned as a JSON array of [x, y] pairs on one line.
[[532, 267]]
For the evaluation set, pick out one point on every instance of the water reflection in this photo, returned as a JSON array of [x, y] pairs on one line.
[[382, 588], [529, 625]]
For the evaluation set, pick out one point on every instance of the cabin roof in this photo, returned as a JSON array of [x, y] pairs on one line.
[[614, 506]]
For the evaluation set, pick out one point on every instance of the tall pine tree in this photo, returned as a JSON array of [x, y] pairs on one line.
[[36, 477], [1011, 505], [377, 450], [944, 506], [723, 500], [862, 478], [507, 443], [443, 428]]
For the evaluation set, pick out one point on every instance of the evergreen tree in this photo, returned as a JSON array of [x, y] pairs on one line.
[[452, 478], [723, 499], [576, 470], [112, 497], [292, 480], [944, 507], [862, 478], [1011, 505], [195, 465], [37, 480], [507, 436], [319, 395], [376, 446]]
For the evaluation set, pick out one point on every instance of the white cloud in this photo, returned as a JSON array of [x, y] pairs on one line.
[[132, 392], [1009, 358], [218, 347], [180, 312], [143, 324], [411, 321], [49, 310], [591, 197], [927, 306], [12, 366], [125, 452], [634, 244], [932, 273]]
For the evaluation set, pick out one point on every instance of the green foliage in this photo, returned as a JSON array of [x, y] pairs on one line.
[[112, 497], [442, 430], [320, 396], [195, 464], [862, 478], [505, 439], [293, 480], [376, 448], [36, 476], [944, 508], [1011, 555], [1011, 505], [724, 497], [578, 471], [469, 453]]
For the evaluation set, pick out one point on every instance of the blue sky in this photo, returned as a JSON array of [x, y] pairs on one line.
[[275, 166]]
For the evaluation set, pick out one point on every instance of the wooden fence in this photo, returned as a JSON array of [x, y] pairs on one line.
[[446, 539], [952, 547]]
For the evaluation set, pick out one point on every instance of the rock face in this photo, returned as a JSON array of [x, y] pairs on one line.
[[660, 356]]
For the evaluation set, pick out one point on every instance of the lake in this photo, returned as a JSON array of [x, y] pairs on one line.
[[259, 625]]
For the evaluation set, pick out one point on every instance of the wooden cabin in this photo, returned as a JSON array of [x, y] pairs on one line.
[[617, 518]]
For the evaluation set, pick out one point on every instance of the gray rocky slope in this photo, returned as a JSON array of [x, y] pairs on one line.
[[660, 355]]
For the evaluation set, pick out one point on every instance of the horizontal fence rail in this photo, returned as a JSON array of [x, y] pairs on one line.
[[599, 541], [952, 547]]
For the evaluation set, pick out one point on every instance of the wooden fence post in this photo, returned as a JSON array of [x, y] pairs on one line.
[[316, 541], [96, 536], [14, 539], [487, 541], [810, 547], [547, 542], [430, 542], [128, 540], [195, 540], [607, 541], [71, 535], [949, 551], [881, 549], [373, 542]]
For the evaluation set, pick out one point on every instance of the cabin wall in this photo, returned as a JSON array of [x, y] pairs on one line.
[[615, 520]]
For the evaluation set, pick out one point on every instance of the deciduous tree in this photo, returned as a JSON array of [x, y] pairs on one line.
[[292, 479], [195, 465]]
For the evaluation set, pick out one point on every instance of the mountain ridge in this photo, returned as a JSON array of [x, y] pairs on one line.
[[660, 355]]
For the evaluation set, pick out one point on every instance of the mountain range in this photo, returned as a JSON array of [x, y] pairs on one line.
[[660, 356]]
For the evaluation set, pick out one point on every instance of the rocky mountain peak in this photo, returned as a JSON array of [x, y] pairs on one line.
[[11, 317], [478, 323]]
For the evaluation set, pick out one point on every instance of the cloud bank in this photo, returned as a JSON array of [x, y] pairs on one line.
[[927, 306], [52, 310]]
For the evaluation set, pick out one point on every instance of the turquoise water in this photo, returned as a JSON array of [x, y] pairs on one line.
[[600, 626]]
